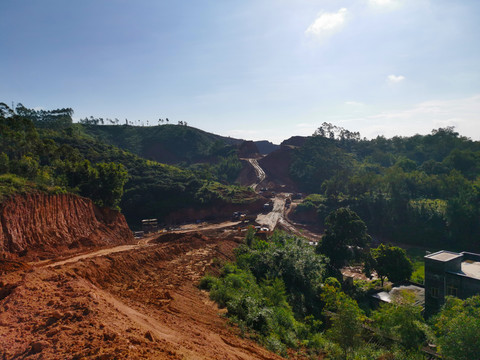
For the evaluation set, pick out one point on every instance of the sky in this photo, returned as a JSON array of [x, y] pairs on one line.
[[251, 69]]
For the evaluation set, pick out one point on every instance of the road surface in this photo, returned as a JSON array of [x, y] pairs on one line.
[[271, 219], [259, 171]]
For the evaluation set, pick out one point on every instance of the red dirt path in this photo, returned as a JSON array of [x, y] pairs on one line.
[[137, 304]]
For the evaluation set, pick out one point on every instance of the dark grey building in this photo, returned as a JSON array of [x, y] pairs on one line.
[[450, 273]]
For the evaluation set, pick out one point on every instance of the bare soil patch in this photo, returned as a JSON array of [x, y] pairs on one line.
[[137, 304]]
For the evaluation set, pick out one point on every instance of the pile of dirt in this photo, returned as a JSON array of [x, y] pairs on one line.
[[41, 225], [142, 304]]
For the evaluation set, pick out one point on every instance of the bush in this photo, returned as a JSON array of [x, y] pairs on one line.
[[207, 282]]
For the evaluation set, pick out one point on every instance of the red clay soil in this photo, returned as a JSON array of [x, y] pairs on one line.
[[43, 226], [138, 304]]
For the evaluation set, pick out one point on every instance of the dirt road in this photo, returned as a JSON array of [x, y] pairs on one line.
[[142, 243], [141, 304], [259, 171], [138, 301], [271, 219]]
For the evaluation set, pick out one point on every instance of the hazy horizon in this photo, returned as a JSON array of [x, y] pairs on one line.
[[256, 70]]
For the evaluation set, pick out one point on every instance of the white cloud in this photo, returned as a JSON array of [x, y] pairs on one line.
[[327, 24], [395, 78]]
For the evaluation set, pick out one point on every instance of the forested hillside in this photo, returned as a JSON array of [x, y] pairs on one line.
[[166, 143], [45, 151], [423, 189]]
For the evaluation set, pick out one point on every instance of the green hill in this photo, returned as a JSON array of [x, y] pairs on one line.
[[169, 144], [39, 155], [423, 189]]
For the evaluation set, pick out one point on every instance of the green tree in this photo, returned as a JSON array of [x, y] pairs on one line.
[[345, 234], [345, 316], [110, 181], [401, 319], [4, 163], [457, 328], [389, 261], [26, 167]]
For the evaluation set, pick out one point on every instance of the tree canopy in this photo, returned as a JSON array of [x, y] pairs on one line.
[[457, 328], [345, 236], [389, 261]]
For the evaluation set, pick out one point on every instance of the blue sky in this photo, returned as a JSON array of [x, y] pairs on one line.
[[254, 69]]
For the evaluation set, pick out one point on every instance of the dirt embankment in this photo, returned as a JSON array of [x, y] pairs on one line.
[[41, 225], [141, 304]]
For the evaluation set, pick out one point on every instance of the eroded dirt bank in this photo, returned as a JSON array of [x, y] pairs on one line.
[[141, 304], [47, 225]]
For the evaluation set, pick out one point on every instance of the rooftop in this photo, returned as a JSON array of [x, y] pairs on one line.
[[443, 255], [471, 268], [418, 291]]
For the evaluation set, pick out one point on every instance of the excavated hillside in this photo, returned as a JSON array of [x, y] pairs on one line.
[[137, 304], [276, 166], [45, 226]]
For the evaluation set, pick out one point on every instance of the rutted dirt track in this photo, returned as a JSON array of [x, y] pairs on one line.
[[141, 304]]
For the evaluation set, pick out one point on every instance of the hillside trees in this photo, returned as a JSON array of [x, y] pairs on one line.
[[345, 316], [345, 236], [294, 262], [389, 261], [418, 189], [273, 289], [51, 119], [109, 184], [401, 320], [457, 328], [319, 159]]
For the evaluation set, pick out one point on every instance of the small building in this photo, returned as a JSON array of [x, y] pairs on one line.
[[450, 273]]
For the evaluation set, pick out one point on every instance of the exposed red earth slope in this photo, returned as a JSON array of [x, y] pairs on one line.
[[141, 304], [276, 166], [41, 225]]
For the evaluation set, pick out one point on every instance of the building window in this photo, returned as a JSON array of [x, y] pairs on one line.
[[434, 292], [451, 290]]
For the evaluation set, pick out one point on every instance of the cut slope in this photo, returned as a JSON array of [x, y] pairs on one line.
[[48, 225]]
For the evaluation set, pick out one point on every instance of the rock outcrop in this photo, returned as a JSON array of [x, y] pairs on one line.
[[52, 224]]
